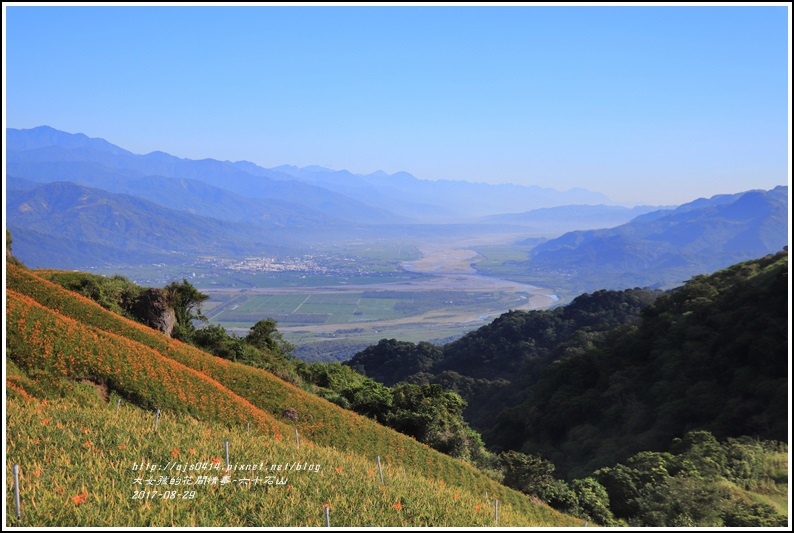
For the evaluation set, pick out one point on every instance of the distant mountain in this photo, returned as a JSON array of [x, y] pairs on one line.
[[433, 200], [45, 154], [666, 247], [84, 226], [562, 219], [31, 154], [198, 198]]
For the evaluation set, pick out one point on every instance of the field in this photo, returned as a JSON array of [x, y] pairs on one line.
[[444, 298], [96, 465]]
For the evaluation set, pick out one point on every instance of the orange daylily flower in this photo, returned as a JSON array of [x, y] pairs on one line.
[[398, 506], [175, 452], [80, 498]]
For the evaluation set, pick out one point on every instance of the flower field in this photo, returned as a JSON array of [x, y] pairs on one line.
[[91, 465], [57, 336]]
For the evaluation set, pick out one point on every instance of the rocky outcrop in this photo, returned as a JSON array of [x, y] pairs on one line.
[[154, 309]]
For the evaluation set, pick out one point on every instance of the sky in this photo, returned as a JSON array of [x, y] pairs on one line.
[[653, 104]]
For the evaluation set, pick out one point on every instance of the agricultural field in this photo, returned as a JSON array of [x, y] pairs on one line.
[[340, 298], [307, 318]]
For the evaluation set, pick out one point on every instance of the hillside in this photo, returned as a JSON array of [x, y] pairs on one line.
[[615, 373], [493, 366], [108, 225], [57, 340], [666, 247], [563, 219], [44, 154]]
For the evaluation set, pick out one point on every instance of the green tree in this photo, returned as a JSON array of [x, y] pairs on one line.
[[592, 501], [186, 301], [621, 484], [528, 473], [265, 336], [217, 341], [702, 454], [434, 416]]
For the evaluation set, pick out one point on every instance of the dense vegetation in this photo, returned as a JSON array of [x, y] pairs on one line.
[[711, 354], [493, 366], [617, 377]]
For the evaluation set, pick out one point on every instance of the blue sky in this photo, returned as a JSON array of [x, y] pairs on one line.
[[656, 105]]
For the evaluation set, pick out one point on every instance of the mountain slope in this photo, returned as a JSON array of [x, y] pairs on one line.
[[44, 154], [558, 220], [616, 373], [191, 196], [712, 354], [103, 222], [53, 332], [493, 366], [665, 248]]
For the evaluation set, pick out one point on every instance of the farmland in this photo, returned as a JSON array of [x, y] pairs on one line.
[[338, 298], [439, 296]]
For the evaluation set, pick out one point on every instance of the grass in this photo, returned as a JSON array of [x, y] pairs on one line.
[[89, 465], [56, 337]]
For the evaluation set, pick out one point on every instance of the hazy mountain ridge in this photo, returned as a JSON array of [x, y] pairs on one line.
[[672, 245], [115, 224], [455, 198], [105, 166], [370, 198], [572, 217], [295, 205]]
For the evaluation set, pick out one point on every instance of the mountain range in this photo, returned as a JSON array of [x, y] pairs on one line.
[[665, 247], [97, 204], [45, 154]]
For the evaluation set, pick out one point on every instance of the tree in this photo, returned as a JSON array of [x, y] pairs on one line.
[[215, 340], [265, 336], [527, 473], [593, 501], [186, 301], [9, 255], [434, 416]]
